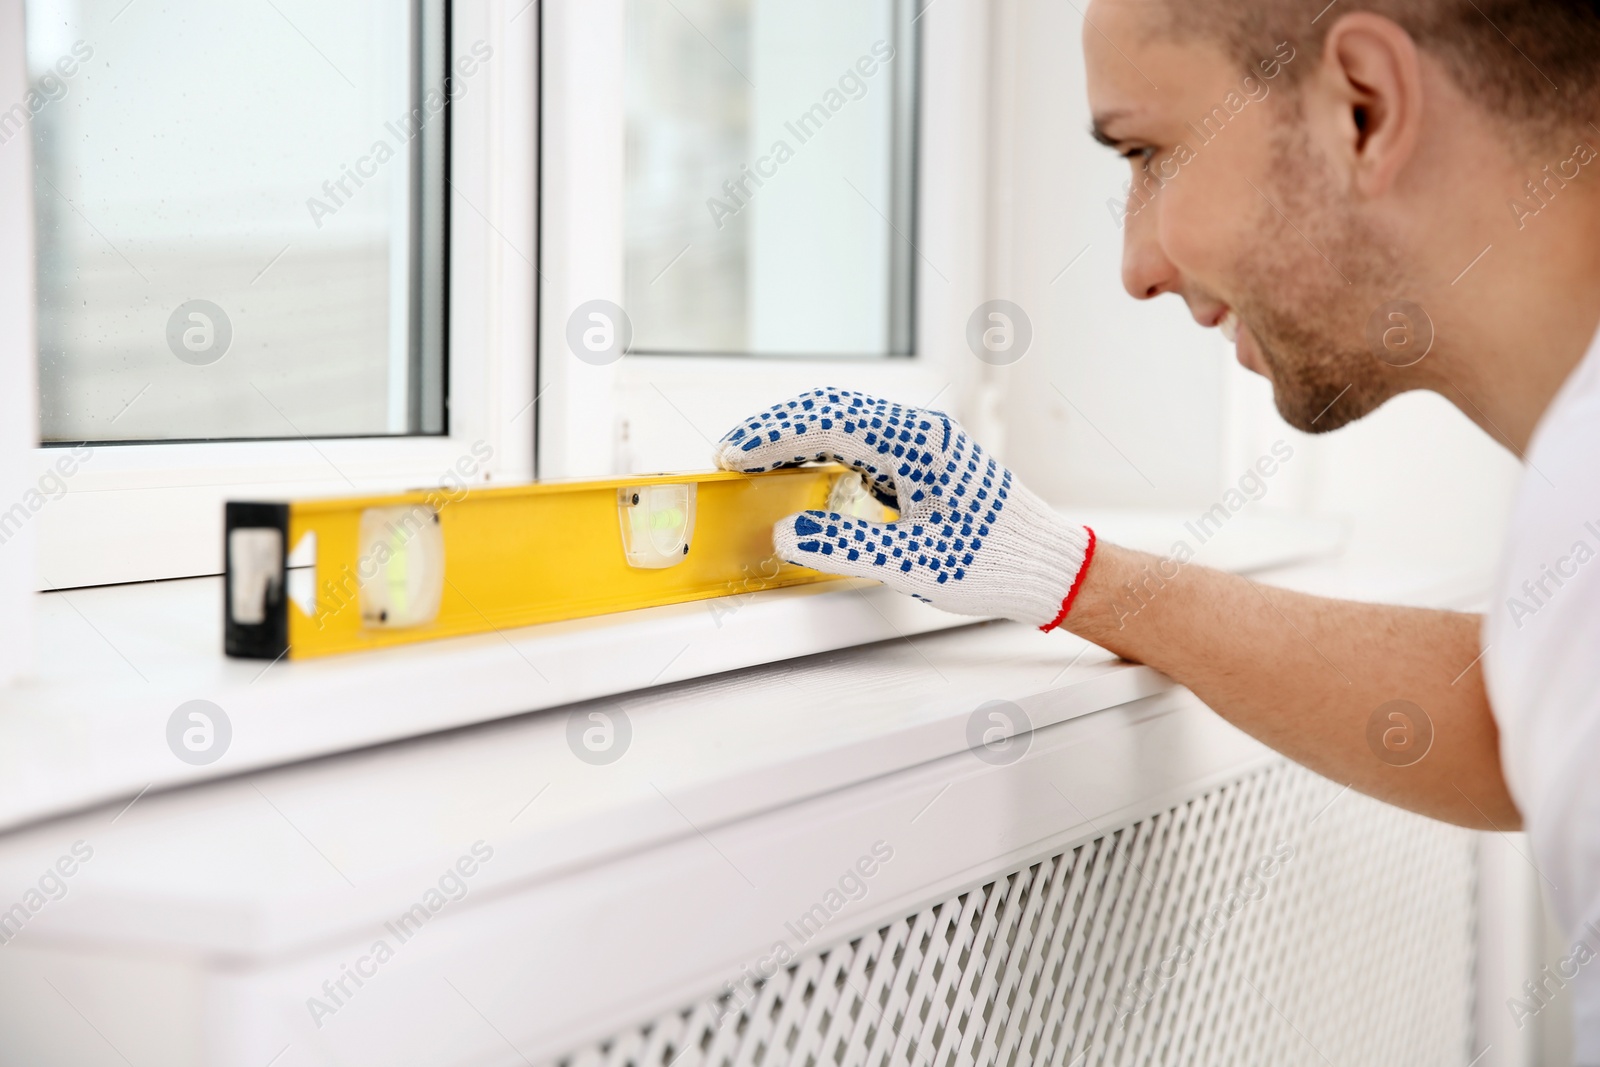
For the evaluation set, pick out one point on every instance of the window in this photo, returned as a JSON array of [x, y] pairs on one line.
[[742, 199], [374, 334], [239, 234], [280, 250], [770, 192]]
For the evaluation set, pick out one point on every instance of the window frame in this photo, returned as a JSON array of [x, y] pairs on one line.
[[143, 511], [660, 411], [18, 365]]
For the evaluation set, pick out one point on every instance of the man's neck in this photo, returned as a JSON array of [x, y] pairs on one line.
[[1523, 317]]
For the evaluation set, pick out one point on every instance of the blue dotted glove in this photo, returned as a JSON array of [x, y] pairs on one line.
[[970, 539]]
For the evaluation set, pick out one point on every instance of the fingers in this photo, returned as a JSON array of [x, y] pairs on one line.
[[836, 544], [821, 424], [876, 437]]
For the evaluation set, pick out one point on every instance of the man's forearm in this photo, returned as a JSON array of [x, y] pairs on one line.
[[1306, 675]]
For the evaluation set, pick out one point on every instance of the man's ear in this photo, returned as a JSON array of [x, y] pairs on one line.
[[1371, 69]]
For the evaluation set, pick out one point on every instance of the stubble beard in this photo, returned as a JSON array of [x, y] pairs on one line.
[[1314, 285]]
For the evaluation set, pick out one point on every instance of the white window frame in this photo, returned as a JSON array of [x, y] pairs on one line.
[[137, 512], [18, 366], [594, 418]]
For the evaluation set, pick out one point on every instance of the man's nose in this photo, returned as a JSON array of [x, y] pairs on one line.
[[1146, 270]]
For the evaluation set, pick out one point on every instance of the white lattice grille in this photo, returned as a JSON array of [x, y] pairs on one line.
[[1356, 950]]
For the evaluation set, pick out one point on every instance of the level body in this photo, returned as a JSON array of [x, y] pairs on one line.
[[315, 577]]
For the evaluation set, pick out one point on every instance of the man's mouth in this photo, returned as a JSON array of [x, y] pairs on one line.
[[1244, 346]]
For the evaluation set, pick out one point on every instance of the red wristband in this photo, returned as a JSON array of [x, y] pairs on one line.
[[1077, 584]]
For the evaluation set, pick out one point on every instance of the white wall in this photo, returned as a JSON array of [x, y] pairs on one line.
[[1140, 421]]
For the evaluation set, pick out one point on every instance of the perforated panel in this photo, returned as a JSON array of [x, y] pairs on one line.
[[1275, 921]]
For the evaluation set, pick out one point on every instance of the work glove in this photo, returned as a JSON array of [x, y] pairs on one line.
[[969, 539]]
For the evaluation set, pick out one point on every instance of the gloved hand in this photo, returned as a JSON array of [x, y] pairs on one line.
[[970, 538]]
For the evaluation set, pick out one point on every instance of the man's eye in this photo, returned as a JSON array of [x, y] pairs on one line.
[[1139, 156]]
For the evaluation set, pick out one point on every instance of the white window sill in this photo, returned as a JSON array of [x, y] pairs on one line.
[[272, 864], [116, 662], [612, 888]]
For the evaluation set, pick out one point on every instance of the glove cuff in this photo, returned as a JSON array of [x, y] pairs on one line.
[[1077, 584], [1041, 571]]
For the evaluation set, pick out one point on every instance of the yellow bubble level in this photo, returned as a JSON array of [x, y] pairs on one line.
[[321, 576]]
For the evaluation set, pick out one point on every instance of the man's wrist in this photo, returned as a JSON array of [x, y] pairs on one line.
[[1118, 588]]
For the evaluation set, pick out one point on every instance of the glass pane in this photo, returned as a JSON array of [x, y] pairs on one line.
[[770, 184], [237, 230]]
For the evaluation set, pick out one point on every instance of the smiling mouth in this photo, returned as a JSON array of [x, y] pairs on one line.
[[1244, 348]]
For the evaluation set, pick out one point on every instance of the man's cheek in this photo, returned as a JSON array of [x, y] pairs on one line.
[[1194, 227], [1220, 213]]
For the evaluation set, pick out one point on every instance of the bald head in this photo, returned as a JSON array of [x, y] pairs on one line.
[[1534, 64]]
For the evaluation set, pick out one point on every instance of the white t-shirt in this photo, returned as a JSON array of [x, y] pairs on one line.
[[1542, 668]]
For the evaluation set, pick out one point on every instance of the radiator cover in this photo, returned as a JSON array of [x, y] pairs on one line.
[[1276, 920]]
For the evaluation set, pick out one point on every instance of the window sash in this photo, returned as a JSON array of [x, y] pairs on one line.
[[655, 412], [137, 512]]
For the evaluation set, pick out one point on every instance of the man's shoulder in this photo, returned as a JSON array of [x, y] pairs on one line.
[[1553, 538], [1567, 434]]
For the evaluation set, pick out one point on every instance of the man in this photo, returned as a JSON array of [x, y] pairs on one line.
[[1414, 206]]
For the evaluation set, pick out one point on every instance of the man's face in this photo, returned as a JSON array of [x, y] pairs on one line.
[[1236, 208]]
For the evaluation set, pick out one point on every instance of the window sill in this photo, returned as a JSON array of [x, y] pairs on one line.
[[116, 662], [226, 871]]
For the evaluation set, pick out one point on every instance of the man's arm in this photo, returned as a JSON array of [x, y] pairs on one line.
[[1305, 675]]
